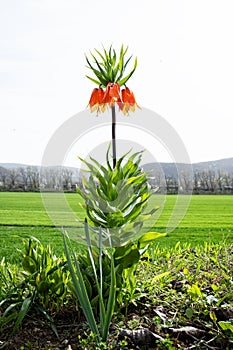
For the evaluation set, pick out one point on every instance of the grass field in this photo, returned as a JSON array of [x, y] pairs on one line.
[[208, 218]]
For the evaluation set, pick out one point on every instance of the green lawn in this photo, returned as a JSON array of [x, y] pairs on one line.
[[208, 218]]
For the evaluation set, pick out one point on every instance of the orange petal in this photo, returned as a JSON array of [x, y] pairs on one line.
[[112, 94], [93, 98], [128, 101], [96, 99]]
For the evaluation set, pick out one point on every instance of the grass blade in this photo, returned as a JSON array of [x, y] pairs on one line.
[[80, 288], [111, 298], [50, 319], [22, 313], [101, 303]]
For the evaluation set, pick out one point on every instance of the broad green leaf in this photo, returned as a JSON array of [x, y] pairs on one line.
[[150, 237], [100, 166], [226, 325], [134, 213], [122, 251], [129, 259], [29, 264]]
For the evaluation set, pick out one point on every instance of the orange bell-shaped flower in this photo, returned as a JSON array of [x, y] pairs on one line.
[[128, 101], [112, 94], [96, 99]]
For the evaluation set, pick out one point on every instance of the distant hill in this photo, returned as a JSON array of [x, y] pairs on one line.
[[225, 165], [13, 165], [19, 165], [170, 169], [2, 169]]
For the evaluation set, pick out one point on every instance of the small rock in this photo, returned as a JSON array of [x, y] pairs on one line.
[[142, 336], [65, 342]]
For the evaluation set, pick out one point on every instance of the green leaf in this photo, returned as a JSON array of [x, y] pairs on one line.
[[226, 325], [122, 251], [101, 70], [129, 259], [124, 80], [102, 311], [10, 307], [189, 312], [158, 277], [49, 318], [150, 237], [111, 300], [100, 74], [226, 296], [94, 80], [22, 313], [119, 198], [114, 73], [100, 167], [101, 56], [195, 291], [79, 286], [107, 57], [29, 264], [122, 65], [5, 320], [43, 286], [213, 316], [107, 68], [121, 59], [134, 213], [107, 158]]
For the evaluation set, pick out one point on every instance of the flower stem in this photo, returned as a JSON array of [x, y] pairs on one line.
[[114, 135]]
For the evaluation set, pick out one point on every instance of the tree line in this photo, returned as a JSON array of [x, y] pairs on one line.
[[34, 179], [204, 181]]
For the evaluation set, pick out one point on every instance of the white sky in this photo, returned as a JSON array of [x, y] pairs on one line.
[[185, 68]]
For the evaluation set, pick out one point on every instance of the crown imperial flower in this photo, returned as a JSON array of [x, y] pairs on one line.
[[96, 99], [109, 75], [128, 101]]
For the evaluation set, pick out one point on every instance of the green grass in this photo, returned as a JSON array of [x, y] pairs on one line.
[[195, 283], [208, 218]]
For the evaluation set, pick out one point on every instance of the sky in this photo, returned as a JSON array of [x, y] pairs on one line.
[[184, 73]]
